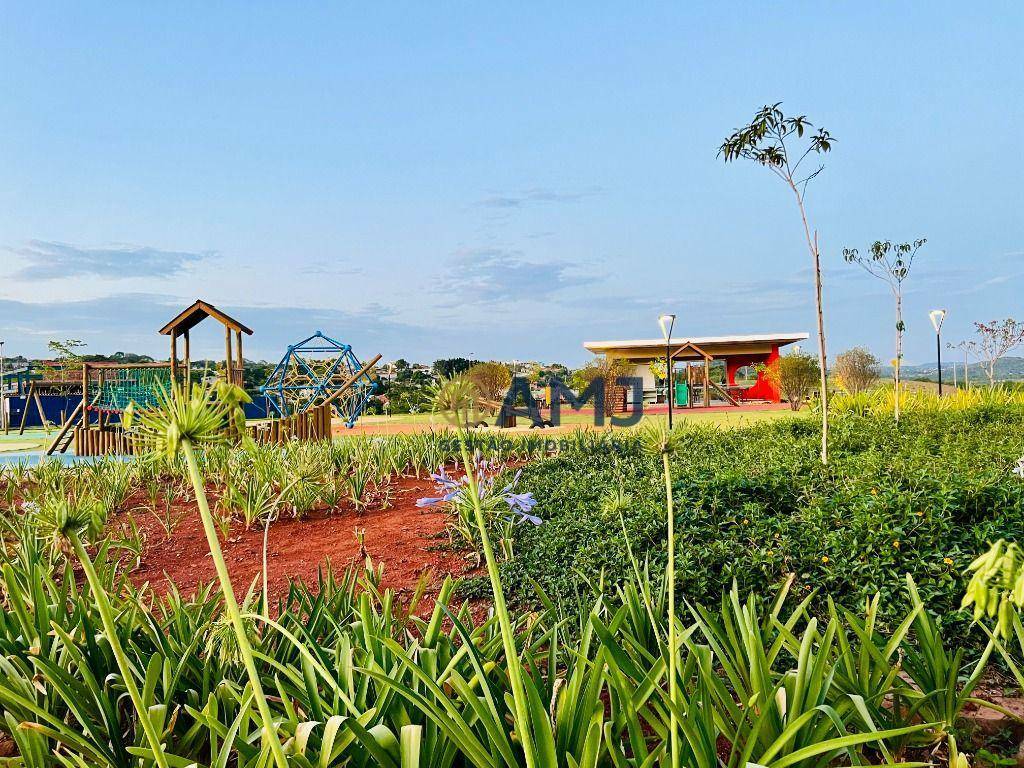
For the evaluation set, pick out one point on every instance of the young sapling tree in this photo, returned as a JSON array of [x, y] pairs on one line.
[[856, 370], [782, 144], [891, 264], [995, 340]]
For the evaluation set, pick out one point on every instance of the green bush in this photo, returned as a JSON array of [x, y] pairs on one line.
[[755, 505]]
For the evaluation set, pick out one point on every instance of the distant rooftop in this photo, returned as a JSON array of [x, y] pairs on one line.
[[708, 343]]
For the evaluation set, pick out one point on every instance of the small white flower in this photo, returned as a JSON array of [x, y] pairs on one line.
[[1019, 469]]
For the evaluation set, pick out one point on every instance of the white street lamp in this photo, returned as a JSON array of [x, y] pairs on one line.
[[937, 316], [667, 323]]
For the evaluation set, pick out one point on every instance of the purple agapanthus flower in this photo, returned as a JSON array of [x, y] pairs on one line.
[[485, 473], [521, 504]]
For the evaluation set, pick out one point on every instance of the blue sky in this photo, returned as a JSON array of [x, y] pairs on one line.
[[427, 180]]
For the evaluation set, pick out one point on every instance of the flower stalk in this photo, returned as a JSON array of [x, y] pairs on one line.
[[109, 627], [671, 567], [523, 728], [456, 397], [187, 416], [231, 604]]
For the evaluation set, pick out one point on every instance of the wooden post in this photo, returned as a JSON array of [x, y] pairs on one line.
[[101, 417], [707, 383], [188, 362], [241, 360], [42, 413], [227, 354], [174, 357], [24, 413], [85, 394]]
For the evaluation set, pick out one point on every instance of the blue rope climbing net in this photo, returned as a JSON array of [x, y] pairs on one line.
[[311, 372], [120, 386]]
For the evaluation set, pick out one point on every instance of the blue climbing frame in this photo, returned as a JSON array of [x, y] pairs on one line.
[[311, 372]]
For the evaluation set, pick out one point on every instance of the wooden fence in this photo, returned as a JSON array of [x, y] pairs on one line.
[[110, 439], [102, 441], [315, 424]]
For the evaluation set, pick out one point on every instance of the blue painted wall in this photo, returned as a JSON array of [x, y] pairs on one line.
[[56, 407]]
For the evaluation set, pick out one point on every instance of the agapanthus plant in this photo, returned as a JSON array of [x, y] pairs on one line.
[[503, 506], [528, 712], [201, 416]]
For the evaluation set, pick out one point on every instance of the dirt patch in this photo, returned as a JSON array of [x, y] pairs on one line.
[[407, 540]]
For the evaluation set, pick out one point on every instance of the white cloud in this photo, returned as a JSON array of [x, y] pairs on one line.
[[48, 260]]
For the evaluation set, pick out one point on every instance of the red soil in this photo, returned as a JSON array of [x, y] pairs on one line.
[[407, 540]]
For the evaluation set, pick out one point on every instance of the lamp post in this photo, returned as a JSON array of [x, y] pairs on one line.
[[667, 322], [937, 316]]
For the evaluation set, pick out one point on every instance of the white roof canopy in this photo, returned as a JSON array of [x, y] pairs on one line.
[[720, 345]]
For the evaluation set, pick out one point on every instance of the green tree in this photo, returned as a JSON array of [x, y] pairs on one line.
[[782, 144], [543, 375], [608, 369], [994, 340], [491, 379], [66, 351], [795, 375], [856, 370], [451, 366], [67, 358]]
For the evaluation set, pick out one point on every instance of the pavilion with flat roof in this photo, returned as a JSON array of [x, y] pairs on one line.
[[735, 352]]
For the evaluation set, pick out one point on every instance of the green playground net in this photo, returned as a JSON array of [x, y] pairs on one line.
[[119, 386]]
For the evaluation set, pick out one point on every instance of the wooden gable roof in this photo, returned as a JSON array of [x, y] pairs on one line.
[[195, 314]]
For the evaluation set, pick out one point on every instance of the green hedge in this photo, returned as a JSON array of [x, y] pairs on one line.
[[755, 505]]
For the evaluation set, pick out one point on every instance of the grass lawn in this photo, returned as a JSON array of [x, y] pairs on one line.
[[30, 441], [727, 418], [36, 439]]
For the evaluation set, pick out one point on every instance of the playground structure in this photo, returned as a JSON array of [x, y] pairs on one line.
[[94, 426], [189, 318], [33, 394], [320, 371], [697, 373]]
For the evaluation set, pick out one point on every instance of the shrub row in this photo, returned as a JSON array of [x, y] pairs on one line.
[[755, 505]]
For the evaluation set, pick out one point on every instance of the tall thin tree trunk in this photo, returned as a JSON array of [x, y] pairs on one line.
[[812, 245], [822, 360], [899, 351]]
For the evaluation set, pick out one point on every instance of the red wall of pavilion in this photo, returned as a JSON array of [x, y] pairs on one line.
[[762, 389]]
